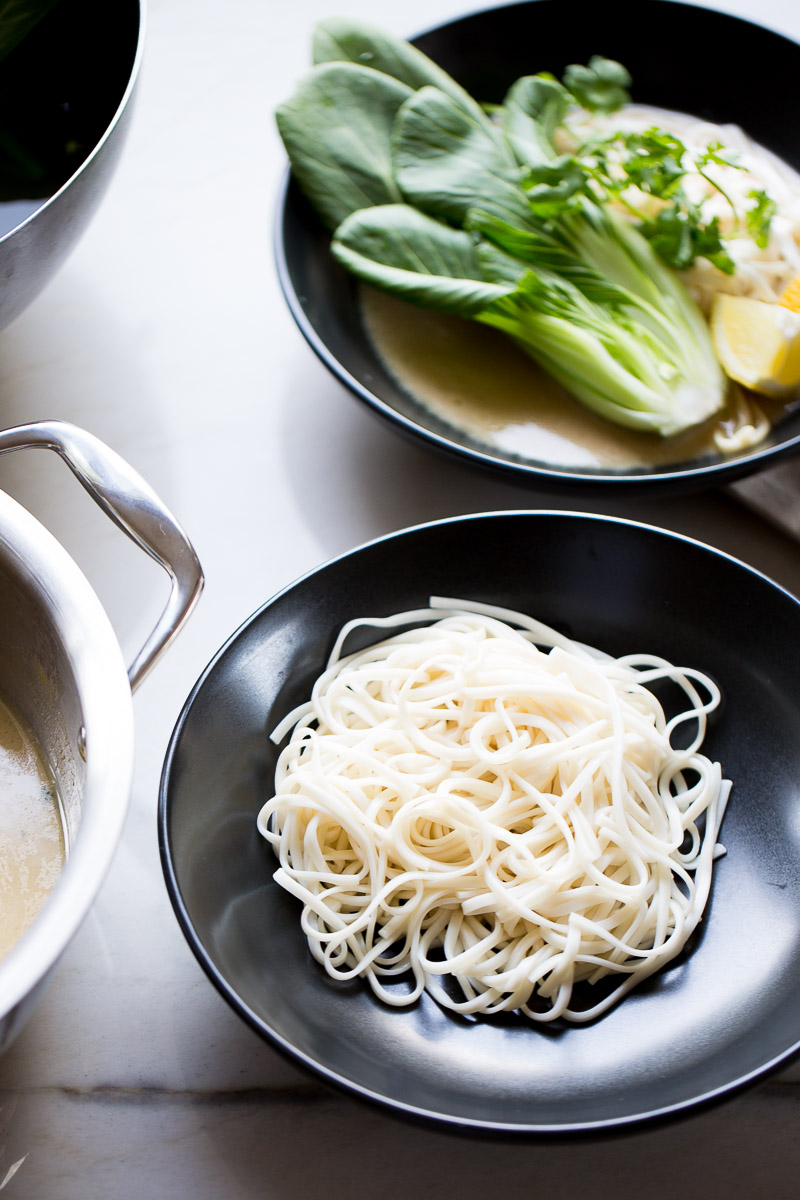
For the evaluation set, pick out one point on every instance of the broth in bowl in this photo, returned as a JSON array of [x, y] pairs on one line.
[[458, 242]]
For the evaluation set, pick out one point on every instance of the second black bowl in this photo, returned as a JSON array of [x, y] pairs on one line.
[[486, 51], [714, 1019]]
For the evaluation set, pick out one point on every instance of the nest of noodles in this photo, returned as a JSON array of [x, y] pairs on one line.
[[496, 814]]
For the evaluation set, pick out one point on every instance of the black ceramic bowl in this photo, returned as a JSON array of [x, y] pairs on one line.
[[719, 1017], [65, 94], [486, 51]]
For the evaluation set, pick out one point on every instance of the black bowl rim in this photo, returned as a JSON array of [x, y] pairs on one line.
[[681, 479], [100, 143], [413, 1113]]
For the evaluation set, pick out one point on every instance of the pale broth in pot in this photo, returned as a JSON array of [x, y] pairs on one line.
[[32, 841]]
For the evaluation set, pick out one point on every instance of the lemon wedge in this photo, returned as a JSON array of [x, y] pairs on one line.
[[790, 297], [757, 343]]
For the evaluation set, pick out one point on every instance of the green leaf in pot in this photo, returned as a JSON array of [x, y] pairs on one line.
[[17, 19], [22, 171]]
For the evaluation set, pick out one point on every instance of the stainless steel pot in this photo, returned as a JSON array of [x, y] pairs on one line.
[[62, 56], [62, 669]]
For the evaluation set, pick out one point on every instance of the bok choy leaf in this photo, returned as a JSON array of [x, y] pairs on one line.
[[432, 200], [340, 40], [342, 159], [531, 114], [445, 162], [411, 255]]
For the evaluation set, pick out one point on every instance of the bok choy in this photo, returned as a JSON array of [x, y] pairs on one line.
[[473, 211]]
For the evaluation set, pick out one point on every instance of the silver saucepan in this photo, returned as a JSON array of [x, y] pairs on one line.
[[61, 668]]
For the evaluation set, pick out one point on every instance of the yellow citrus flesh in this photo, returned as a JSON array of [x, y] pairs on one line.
[[758, 344], [791, 295]]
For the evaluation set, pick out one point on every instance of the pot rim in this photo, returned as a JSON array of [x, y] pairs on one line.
[[81, 624], [48, 201]]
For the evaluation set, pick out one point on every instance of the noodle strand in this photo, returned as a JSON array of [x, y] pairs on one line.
[[478, 807]]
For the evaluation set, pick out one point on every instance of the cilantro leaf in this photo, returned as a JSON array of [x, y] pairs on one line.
[[655, 162], [759, 218], [723, 156], [678, 237], [602, 86], [709, 243], [670, 236]]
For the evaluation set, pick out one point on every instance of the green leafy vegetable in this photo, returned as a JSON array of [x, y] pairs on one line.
[[445, 162], [759, 217], [679, 236], [18, 18], [602, 86], [342, 157], [399, 249], [530, 116], [435, 201], [340, 40], [656, 163]]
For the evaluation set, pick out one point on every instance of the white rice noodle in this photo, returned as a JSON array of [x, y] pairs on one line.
[[495, 812]]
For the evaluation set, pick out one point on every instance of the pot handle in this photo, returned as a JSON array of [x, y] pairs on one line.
[[131, 504]]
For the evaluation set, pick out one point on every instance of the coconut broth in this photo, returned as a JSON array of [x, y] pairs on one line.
[[476, 381]]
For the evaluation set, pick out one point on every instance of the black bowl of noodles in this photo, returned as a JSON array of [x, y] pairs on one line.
[[717, 1017], [465, 390], [68, 71]]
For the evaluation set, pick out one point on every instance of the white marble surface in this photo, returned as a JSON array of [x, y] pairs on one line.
[[166, 335]]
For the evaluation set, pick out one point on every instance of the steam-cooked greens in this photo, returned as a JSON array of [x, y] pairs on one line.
[[474, 212], [17, 19]]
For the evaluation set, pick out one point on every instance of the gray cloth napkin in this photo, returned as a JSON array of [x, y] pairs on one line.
[[774, 494]]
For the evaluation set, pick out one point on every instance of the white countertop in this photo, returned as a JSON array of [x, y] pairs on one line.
[[166, 335]]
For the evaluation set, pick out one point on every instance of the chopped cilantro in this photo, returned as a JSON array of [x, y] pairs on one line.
[[759, 218], [678, 236], [602, 86], [656, 162]]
